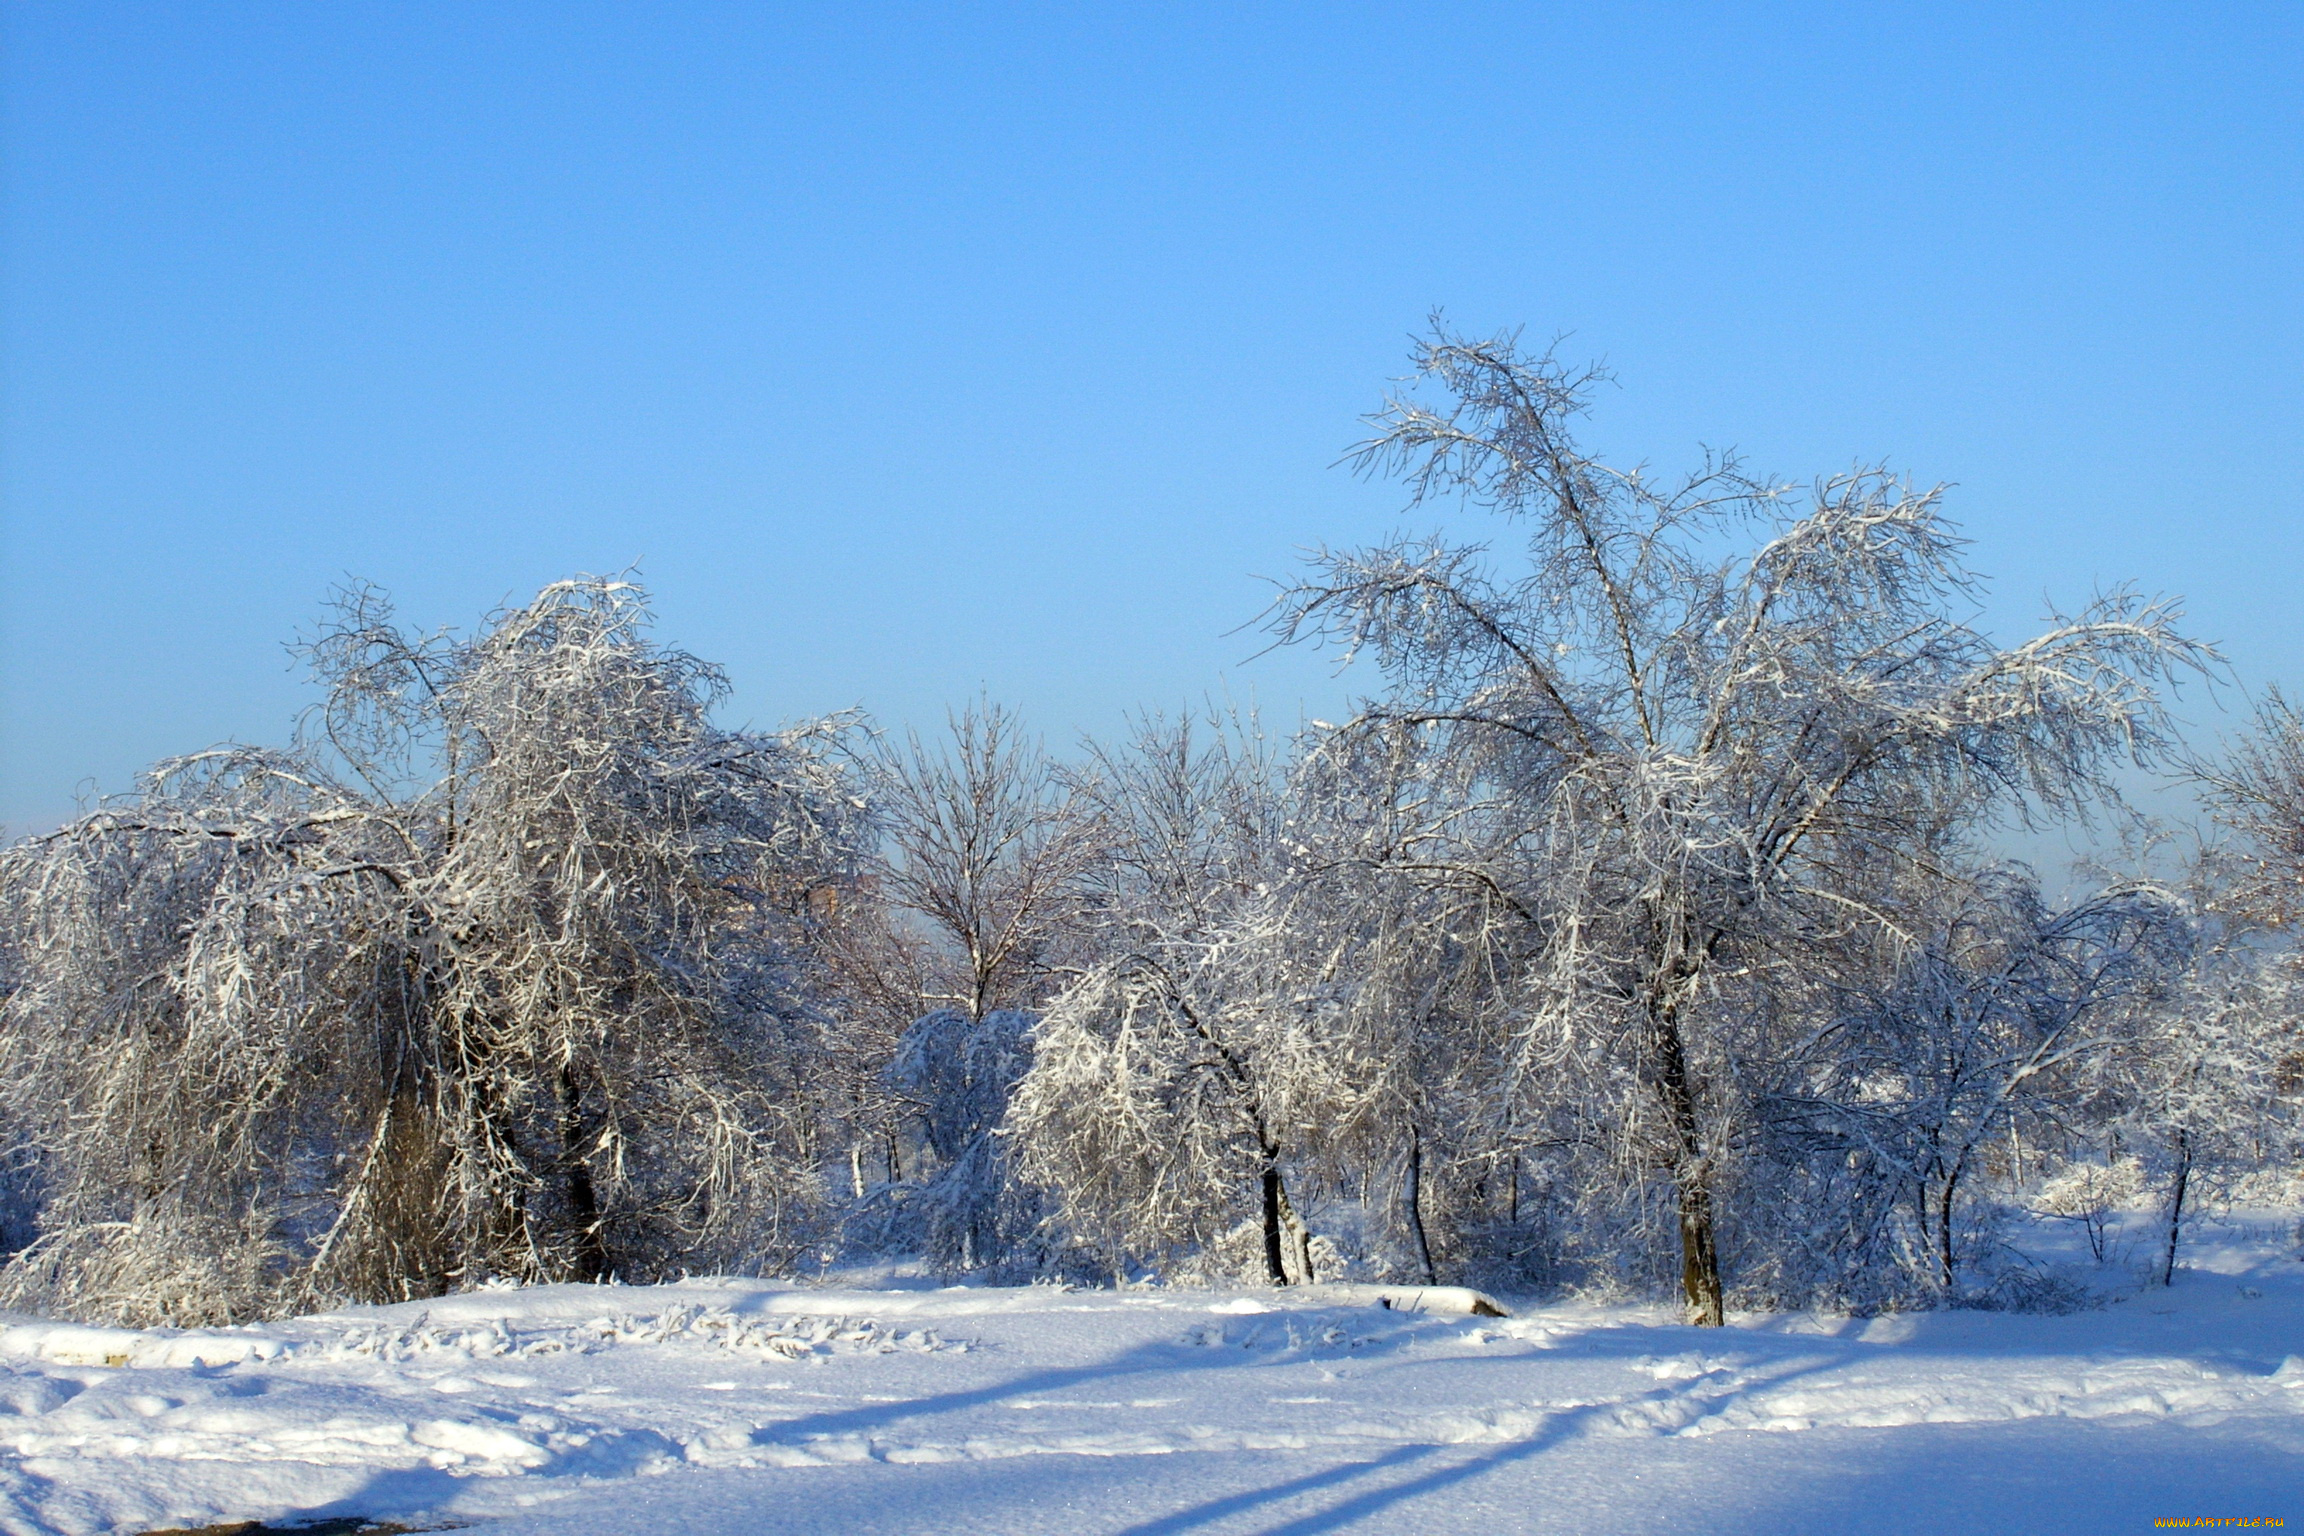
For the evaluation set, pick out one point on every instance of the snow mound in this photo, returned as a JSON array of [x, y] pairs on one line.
[[790, 1337]]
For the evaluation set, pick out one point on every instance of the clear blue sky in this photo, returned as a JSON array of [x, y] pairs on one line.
[[918, 350]]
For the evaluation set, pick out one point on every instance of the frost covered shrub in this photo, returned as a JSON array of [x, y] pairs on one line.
[[503, 972], [1237, 1258], [2018, 1287], [184, 1269], [2089, 1188], [2275, 1186]]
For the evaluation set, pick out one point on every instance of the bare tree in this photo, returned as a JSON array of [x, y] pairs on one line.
[[882, 968], [986, 848], [1709, 763]]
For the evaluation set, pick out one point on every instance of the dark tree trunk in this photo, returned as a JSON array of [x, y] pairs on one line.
[[1944, 1248], [2176, 1205], [1412, 1191], [1275, 1199], [509, 1241], [591, 1256], [1699, 1248], [413, 1254]]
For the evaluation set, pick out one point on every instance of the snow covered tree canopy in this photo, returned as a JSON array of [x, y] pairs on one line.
[[1682, 765], [502, 972]]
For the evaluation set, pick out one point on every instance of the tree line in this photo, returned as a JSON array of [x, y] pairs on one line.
[[1641, 931]]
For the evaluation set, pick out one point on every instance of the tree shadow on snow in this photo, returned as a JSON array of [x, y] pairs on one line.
[[1559, 1427], [1252, 1352]]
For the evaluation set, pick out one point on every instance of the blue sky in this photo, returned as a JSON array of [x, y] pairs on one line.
[[913, 351]]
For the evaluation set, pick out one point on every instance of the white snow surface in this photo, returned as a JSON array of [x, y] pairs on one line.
[[726, 1406]]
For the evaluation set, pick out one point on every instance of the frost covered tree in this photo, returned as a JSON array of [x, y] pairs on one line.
[[1413, 950], [2221, 1091], [984, 851], [956, 1074], [2257, 795], [504, 971], [1169, 1085], [2005, 1023], [1697, 764], [2206, 1096], [985, 847]]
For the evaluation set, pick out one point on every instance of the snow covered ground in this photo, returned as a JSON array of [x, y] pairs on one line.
[[726, 1406]]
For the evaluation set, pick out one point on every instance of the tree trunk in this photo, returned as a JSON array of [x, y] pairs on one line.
[[1275, 1198], [1944, 1250], [509, 1241], [1412, 1191], [1699, 1249], [409, 1206], [2176, 1205], [1699, 1257], [1298, 1248], [1287, 1245], [583, 1201]]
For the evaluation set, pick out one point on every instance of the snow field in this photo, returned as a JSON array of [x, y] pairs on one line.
[[756, 1406]]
